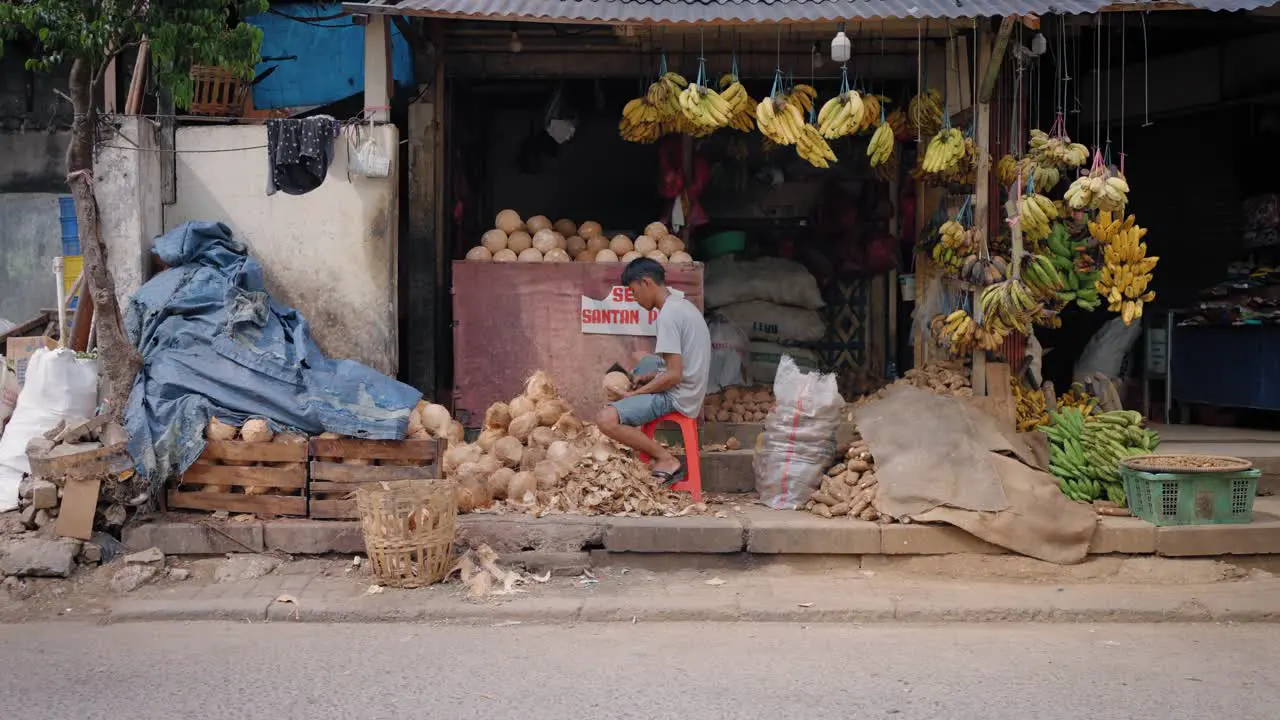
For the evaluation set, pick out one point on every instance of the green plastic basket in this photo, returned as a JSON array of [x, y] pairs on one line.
[[1191, 498]]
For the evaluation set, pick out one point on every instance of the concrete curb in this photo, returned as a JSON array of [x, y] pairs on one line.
[[1226, 602]]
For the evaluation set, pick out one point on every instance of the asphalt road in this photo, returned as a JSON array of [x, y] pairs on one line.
[[687, 671]]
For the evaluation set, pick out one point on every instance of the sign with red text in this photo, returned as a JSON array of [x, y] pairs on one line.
[[618, 314]]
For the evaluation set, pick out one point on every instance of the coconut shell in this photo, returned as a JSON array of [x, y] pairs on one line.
[[681, 256], [565, 227], [568, 426], [509, 451], [549, 411], [596, 243], [256, 430], [656, 230], [532, 255], [488, 465], [505, 256], [544, 241], [490, 436], [646, 244], [497, 416], [521, 485], [556, 255], [533, 455], [479, 254], [537, 222], [494, 240], [218, 430], [455, 456], [547, 473], [606, 255], [518, 242], [508, 221], [436, 419], [585, 256], [542, 436], [522, 426], [590, 229], [539, 387], [669, 244], [659, 256], [499, 482], [521, 405], [562, 454], [616, 383], [456, 433], [574, 245], [621, 245]]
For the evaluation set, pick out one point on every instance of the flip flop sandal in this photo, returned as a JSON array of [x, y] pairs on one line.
[[667, 479]]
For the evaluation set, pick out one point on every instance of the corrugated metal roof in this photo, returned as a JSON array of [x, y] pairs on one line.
[[727, 12]]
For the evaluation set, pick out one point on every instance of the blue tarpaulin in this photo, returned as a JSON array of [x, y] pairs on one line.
[[214, 344]]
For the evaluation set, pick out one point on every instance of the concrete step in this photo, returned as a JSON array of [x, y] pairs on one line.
[[744, 528]]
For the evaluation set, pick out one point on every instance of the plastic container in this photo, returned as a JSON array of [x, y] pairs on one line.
[[70, 225], [723, 243], [907, 287], [1191, 497]]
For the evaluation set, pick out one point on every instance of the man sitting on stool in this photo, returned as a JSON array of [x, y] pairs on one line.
[[673, 379]]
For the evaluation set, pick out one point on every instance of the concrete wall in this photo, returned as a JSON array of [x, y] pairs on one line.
[[128, 176], [331, 253], [30, 237]]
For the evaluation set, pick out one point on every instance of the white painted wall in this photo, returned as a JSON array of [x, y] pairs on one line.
[[331, 253], [127, 185]]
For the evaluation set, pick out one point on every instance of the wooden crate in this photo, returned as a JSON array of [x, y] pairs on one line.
[[332, 482], [279, 466]]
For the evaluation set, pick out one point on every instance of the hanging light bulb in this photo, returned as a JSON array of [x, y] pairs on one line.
[[1039, 45], [841, 48], [515, 45]]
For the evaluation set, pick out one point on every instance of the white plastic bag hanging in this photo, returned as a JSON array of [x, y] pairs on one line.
[[365, 155], [58, 387], [799, 438]]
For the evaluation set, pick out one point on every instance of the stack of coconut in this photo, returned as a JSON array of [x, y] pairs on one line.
[[540, 240], [849, 487], [535, 456], [738, 405]]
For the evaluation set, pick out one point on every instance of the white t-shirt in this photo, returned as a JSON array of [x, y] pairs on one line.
[[683, 332]]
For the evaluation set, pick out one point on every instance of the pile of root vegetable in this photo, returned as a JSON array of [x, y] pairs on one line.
[[944, 378], [535, 456], [738, 405], [849, 487]]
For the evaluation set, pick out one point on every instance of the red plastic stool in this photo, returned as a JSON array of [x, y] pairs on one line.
[[692, 481]]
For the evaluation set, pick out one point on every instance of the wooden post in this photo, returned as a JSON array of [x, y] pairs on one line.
[[377, 69], [982, 190]]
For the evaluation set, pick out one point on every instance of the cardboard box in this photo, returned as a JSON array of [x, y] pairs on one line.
[[19, 350]]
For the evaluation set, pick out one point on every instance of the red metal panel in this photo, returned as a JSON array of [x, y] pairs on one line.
[[511, 319]]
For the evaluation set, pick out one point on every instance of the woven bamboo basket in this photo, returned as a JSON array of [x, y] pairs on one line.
[[408, 528]]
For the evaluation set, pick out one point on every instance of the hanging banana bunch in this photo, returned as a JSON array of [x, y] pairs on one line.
[[780, 120], [810, 146], [925, 113], [702, 106], [841, 115], [742, 106], [1099, 190], [647, 118]]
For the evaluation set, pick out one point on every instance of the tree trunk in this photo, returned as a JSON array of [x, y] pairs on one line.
[[120, 361]]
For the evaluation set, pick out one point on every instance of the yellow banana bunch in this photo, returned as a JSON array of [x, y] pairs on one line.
[[1099, 190], [870, 112], [944, 151], [1032, 408], [925, 113], [881, 145], [1079, 398], [1043, 177], [704, 107], [641, 122], [841, 115], [956, 333], [1037, 213], [779, 121], [802, 96], [1126, 271], [955, 246], [1007, 171], [743, 107], [813, 148], [1008, 306], [1057, 152]]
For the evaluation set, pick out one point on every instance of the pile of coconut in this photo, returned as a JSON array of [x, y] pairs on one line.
[[254, 430], [535, 456], [540, 240], [738, 405]]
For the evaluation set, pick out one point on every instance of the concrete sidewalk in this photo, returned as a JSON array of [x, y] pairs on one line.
[[620, 595]]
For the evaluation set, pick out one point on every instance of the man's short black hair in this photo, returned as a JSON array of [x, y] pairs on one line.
[[641, 268]]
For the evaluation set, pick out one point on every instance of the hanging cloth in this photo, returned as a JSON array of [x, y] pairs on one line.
[[298, 153]]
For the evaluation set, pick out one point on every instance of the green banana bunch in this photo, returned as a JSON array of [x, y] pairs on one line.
[[1078, 286], [1085, 452]]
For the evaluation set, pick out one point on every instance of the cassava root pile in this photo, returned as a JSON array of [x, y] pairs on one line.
[[738, 405], [849, 488], [535, 456], [944, 378]]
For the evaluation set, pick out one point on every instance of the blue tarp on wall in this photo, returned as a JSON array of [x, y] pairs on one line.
[[325, 57]]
